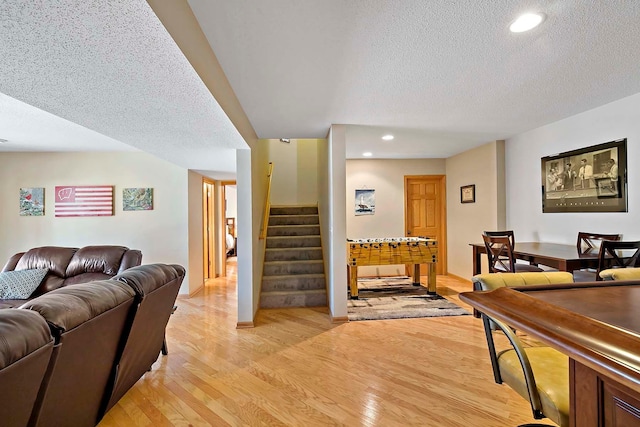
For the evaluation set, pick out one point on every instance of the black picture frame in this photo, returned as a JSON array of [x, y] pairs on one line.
[[468, 193], [585, 180]]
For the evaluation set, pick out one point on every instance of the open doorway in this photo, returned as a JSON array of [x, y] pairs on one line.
[[208, 229], [229, 191]]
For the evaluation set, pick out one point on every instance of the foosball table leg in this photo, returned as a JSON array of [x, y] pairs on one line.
[[416, 274], [432, 278], [352, 271]]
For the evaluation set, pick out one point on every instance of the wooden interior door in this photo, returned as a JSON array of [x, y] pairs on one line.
[[425, 213]]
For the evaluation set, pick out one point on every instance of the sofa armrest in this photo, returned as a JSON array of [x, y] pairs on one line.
[[13, 261], [131, 258]]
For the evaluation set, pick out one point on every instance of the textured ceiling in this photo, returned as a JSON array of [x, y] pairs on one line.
[[442, 75], [111, 67]]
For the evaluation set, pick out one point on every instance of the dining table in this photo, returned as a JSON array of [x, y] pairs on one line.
[[562, 257]]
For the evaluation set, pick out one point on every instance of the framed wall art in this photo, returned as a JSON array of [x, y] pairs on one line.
[[365, 202], [32, 201], [468, 193], [83, 200], [137, 199], [590, 179]]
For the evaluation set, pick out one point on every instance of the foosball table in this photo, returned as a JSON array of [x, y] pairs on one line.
[[389, 251]]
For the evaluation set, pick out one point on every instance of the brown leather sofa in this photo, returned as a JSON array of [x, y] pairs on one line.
[[106, 334], [70, 266]]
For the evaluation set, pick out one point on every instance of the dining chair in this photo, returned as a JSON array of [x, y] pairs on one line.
[[539, 374], [613, 254], [500, 253], [590, 242]]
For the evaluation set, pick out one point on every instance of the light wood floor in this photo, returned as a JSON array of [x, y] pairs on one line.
[[295, 368]]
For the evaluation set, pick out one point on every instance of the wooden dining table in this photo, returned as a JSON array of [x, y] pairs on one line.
[[556, 255]]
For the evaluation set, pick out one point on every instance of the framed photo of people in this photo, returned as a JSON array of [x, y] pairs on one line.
[[590, 179]]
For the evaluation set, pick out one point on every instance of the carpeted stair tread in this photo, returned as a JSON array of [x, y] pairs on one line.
[[294, 230], [300, 282], [292, 241], [293, 210], [281, 299], [273, 268], [293, 254], [294, 220]]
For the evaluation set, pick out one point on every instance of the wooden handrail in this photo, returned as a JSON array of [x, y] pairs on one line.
[[267, 204]]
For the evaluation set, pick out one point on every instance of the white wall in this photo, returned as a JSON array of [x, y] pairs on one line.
[[484, 167], [231, 194], [295, 171], [619, 119], [331, 205], [386, 177], [161, 234]]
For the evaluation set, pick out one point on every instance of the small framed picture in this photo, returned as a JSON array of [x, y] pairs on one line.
[[468, 193]]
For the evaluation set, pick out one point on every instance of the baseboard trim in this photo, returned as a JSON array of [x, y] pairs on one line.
[[339, 319], [200, 289], [244, 325]]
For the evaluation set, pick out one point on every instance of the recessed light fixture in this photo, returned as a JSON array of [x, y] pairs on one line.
[[526, 22], [367, 154], [387, 137]]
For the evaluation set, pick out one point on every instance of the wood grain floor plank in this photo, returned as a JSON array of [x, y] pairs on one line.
[[296, 368]]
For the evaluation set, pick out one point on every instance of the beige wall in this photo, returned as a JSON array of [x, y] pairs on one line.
[[196, 233], [295, 171], [484, 167], [161, 234], [386, 177]]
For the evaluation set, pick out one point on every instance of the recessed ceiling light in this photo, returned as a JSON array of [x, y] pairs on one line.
[[387, 137], [367, 154], [526, 22]]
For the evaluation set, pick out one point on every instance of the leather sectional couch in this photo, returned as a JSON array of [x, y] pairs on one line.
[[74, 351], [69, 353]]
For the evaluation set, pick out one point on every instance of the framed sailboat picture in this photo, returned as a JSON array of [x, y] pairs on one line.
[[365, 202]]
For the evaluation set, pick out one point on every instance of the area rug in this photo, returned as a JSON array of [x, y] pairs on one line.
[[398, 298]]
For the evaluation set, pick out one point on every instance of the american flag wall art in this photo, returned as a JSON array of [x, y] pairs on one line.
[[85, 200]]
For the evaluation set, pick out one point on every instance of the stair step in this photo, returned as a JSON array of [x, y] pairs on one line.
[[284, 299], [294, 220], [293, 254], [297, 282], [278, 268], [292, 241], [293, 210], [293, 230]]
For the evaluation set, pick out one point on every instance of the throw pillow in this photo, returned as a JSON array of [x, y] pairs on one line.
[[20, 284]]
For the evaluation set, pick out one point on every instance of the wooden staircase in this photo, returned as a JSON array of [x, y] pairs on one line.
[[293, 274]]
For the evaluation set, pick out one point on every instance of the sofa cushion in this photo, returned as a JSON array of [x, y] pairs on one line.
[[145, 279], [20, 284], [70, 306], [56, 259], [96, 259]]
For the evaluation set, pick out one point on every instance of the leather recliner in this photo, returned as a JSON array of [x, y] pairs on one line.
[[25, 351]]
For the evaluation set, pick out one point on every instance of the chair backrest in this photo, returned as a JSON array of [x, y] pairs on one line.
[[505, 233], [618, 254], [590, 242], [499, 253], [539, 374]]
